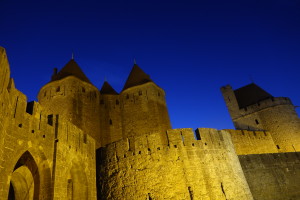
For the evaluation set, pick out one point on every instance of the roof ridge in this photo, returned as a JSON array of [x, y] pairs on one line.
[[250, 94], [136, 77], [70, 69], [107, 89]]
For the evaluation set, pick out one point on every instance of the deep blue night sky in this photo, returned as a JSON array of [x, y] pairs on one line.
[[189, 48]]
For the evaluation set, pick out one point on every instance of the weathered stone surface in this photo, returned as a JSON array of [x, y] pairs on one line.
[[145, 166], [273, 176], [276, 115], [41, 151], [76, 135]]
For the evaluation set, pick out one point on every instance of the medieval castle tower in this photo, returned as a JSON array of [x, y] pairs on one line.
[[79, 142]]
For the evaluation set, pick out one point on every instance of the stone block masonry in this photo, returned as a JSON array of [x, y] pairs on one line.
[[273, 176], [144, 167], [82, 143], [42, 155]]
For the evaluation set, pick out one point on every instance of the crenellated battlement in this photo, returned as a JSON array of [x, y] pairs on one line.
[[4, 71], [35, 122], [264, 104], [32, 135], [68, 87], [180, 167], [252, 142], [147, 92], [173, 140], [58, 143]]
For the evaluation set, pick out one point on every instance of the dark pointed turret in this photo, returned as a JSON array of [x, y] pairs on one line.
[[250, 94], [107, 89], [136, 77], [70, 69]]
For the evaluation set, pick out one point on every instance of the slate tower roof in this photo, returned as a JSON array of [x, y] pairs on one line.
[[136, 77], [70, 69], [250, 94], [107, 89]]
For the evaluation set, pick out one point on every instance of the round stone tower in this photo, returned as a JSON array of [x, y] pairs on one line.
[[144, 107], [71, 95], [110, 115], [252, 108]]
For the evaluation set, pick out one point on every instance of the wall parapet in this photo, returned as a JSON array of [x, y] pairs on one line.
[[177, 140], [264, 104], [252, 142], [184, 167]]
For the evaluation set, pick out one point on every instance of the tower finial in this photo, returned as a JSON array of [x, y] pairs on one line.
[[134, 61], [72, 55]]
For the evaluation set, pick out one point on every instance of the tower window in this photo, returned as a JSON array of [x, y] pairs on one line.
[[256, 121], [127, 96], [140, 93], [84, 138], [58, 89], [117, 102], [50, 120], [101, 101], [83, 89], [158, 94], [110, 122]]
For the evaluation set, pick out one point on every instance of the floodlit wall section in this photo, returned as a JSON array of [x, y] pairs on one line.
[[273, 176], [276, 115], [184, 168], [53, 150], [252, 142]]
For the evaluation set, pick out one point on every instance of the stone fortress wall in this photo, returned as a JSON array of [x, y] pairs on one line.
[[42, 156], [146, 167], [135, 111], [76, 100], [107, 117], [252, 142], [276, 115], [49, 150], [269, 153], [272, 176], [144, 110], [110, 118]]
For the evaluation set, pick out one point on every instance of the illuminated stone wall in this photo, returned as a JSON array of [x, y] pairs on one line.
[[48, 149], [107, 118], [76, 100], [284, 124], [144, 110], [273, 176], [42, 156], [135, 111], [276, 115], [110, 118], [145, 167], [75, 175], [252, 142]]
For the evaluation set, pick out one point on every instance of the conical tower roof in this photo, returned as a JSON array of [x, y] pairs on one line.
[[70, 69], [107, 89], [250, 94], [136, 77]]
